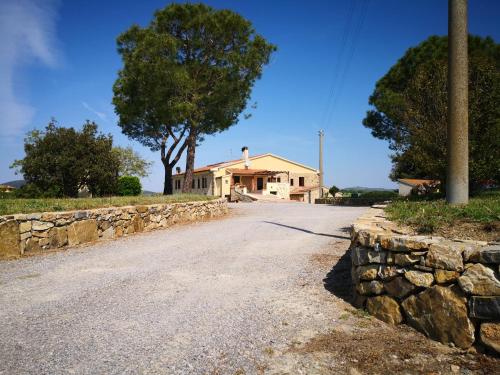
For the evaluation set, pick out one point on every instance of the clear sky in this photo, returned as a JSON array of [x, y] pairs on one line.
[[58, 59]]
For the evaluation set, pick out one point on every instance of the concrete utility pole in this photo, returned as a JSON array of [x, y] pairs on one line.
[[457, 173], [321, 133]]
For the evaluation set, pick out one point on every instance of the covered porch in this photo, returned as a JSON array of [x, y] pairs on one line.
[[260, 181]]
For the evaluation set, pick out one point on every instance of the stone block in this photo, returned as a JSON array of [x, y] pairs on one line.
[[445, 276], [399, 287], [41, 225], [479, 280], [406, 259], [138, 223], [485, 307], [24, 226], [9, 239], [32, 245], [370, 287], [364, 255], [82, 231], [444, 256], [384, 308], [58, 237], [368, 272], [389, 272], [490, 335], [43, 242], [25, 236], [486, 254], [490, 254], [441, 313], [80, 215], [108, 233], [420, 279]]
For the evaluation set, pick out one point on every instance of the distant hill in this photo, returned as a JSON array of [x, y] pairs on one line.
[[15, 183], [365, 189], [147, 192]]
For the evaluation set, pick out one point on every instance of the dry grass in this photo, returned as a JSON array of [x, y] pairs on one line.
[[22, 206]]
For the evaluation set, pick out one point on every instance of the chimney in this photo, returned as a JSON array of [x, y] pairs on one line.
[[178, 169], [245, 156]]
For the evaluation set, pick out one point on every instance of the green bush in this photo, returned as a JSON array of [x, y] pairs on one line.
[[129, 185], [333, 190]]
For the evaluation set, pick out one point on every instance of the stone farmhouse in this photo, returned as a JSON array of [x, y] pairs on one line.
[[265, 176]]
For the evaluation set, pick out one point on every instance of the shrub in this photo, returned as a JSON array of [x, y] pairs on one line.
[[129, 185], [333, 190]]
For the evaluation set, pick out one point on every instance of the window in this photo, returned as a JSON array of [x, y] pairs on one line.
[[278, 179], [291, 182], [236, 179], [301, 181], [204, 183], [177, 184], [199, 183], [192, 184]]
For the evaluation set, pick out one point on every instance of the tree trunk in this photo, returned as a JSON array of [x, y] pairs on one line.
[[167, 185], [191, 148]]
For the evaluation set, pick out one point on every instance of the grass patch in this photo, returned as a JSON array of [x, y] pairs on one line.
[[10, 206], [429, 216]]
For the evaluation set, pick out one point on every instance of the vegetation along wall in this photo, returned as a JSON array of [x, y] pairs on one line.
[[447, 289], [31, 233]]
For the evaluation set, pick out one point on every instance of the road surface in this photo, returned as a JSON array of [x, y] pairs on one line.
[[239, 295]]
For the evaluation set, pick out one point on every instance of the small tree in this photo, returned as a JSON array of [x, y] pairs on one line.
[[129, 185], [63, 161], [333, 190], [188, 74], [131, 163]]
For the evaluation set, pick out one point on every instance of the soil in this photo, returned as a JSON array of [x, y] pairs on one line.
[[471, 231], [357, 343]]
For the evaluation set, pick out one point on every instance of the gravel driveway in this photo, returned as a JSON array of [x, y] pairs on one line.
[[240, 295]]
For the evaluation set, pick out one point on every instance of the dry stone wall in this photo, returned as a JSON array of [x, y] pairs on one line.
[[31, 233], [447, 289]]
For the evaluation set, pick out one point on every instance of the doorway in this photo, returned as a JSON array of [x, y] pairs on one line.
[[260, 183]]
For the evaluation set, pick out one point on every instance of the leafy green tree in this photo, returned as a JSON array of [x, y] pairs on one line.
[[129, 185], [131, 163], [333, 190], [186, 75], [411, 110], [63, 161]]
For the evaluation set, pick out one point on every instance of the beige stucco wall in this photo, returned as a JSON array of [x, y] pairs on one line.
[[219, 181], [404, 190], [274, 163], [198, 176]]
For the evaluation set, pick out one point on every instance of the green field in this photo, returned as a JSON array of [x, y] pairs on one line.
[[427, 216], [21, 206]]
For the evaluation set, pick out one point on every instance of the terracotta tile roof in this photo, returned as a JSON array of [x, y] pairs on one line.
[[208, 167], [251, 172], [417, 181]]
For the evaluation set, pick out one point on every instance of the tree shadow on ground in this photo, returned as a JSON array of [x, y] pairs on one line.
[[310, 231], [338, 280]]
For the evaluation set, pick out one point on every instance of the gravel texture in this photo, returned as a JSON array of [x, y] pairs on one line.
[[261, 291], [214, 297]]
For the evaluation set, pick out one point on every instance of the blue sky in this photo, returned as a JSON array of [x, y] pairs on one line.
[[58, 59]]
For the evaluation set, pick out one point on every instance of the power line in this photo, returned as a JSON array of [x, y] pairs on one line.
[[343, 43], [342, 67]]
